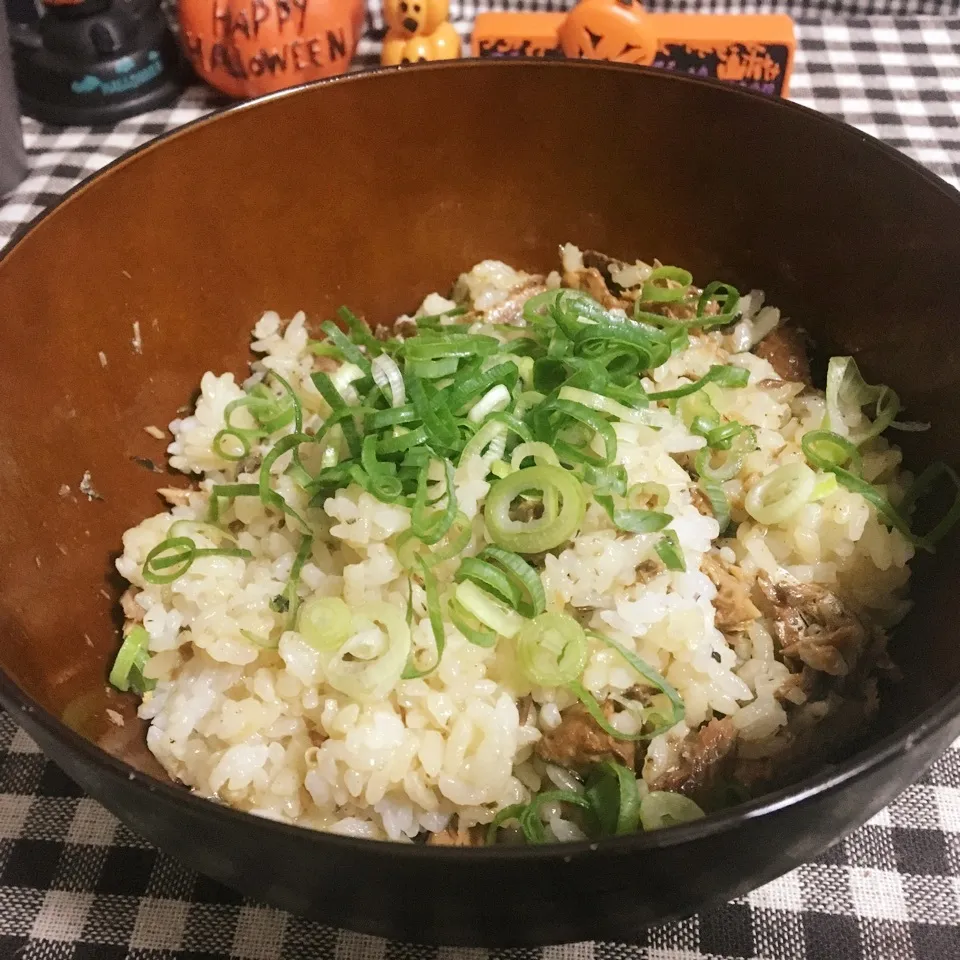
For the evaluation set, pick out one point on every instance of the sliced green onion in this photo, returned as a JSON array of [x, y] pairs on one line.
[[668, 550], [725, 296], [172, 558], [606, 481], [495, 399], [722, 375], [779, 495], [650, 676], [513, 424], [360, 331], [488, 443], [371, 679], [127, 671], [660, 809], [268, 412], [470, 387], [390, 418], [325, 623], [831, 450], [646, 348], [383, 484], [389, 379], [294, 401], [431, 345], [542, 454], [719, 504], [489, 611], [437, 419], [432, 320], [731, 462], [401, 442], [525, 577], [428, 525], [290, 591], [648, 494], [326, 388], [488, 577], [412, 671], [505, 815], [541, 534], [552, 416], [432, 369], [696, 408], [602, 404], [578, 305], [451, 544], [526, 401], [229, 491], [828, 451], [651, 293], [633, 521], [549, 373], [826, 484], [242, 437], [615, 798], [475, 632], [268, 496], [722, 437], [530, 822], [350, 351], [847, 392], [552, 649]]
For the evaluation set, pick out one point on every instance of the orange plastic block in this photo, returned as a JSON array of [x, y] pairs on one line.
[[749, 50], [517, 35]]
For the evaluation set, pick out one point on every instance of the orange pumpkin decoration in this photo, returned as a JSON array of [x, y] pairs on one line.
[[608, 30], [250, 47]]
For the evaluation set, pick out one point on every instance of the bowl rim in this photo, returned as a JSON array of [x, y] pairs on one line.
[[834, 777]]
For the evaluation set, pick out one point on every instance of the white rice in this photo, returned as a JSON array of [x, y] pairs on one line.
[[263, 730]]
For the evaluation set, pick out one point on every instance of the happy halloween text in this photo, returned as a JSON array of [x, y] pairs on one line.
[[227, 51]]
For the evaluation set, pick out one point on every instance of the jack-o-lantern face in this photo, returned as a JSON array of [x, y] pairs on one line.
[[608, 30], [412, 18], [249, 47]]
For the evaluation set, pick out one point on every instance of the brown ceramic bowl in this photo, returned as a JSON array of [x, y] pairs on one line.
[[372, 191]]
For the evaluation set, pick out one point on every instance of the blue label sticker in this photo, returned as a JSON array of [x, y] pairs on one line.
[[87, 85], [128, 77]]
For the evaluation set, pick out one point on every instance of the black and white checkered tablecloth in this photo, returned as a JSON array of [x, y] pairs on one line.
[[76, 885]]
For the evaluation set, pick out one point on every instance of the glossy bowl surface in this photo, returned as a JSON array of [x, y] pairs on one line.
[[373, 190]]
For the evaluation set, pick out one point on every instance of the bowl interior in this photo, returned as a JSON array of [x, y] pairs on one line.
[[376, 190]]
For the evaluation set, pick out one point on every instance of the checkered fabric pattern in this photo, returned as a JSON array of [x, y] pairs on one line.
[[76, 885], [896, 78]]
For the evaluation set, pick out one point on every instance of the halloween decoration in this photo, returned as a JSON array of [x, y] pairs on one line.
[[754, 51], [250, 47], [608, 30], [94, 61], [418, 30]]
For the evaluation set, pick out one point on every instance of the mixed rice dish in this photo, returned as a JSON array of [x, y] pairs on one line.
[[556, 558]]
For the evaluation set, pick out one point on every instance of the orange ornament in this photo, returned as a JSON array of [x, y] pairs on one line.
[[608, 30], [250, 47]]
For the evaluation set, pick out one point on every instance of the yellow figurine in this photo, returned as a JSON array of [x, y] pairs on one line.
[[418, 30]]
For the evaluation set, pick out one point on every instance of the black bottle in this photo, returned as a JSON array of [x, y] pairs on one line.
[[96, 61]]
